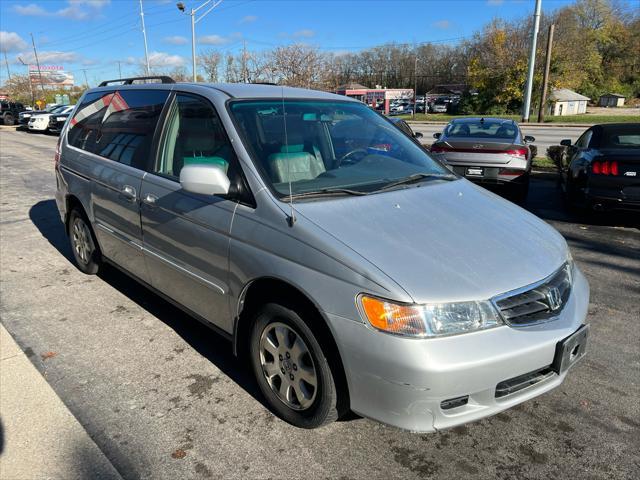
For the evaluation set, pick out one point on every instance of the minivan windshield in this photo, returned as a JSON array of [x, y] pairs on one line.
[[330, 147]]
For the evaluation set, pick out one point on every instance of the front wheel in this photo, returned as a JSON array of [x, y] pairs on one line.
[[83, 246], [291, 368], [8, 119]]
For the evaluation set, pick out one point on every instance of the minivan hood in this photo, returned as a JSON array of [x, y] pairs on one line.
[[443, 241]]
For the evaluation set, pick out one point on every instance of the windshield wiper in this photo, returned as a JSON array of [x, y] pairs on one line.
[[326, 191], [416, 177]]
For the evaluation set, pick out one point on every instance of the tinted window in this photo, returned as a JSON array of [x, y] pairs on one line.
[[583, 141], [84, 127], [486, 129], [194, 135], [129, 124]]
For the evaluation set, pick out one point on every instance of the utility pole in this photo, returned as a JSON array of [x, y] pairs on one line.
[[532, 62], [244, 62], [144, 35], [7, 64], [194, 20], [119, 70], [415, 87], [545, 79], [33, 97], [86, 82], [35, 52]]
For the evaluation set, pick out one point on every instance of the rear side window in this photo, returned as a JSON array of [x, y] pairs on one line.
[[85, 124], [627, 136], [129, 124]]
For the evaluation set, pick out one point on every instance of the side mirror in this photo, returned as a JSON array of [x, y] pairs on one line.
[[437, 135], [529, 139], [566, 142], [418, 135], [204, 179]]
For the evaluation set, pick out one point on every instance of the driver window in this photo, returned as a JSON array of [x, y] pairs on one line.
[[194, 135], [583, 141]]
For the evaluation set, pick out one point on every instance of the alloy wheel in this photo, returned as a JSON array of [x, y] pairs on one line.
[[287, 366], [81, 240]]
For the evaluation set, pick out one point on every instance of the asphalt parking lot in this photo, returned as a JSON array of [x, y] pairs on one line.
[[163, 397]]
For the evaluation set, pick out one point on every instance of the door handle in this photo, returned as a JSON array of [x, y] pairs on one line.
[[128, 192], [150, 199]]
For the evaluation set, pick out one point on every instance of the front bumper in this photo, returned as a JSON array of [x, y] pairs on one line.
[[39, 126], [403, 381]]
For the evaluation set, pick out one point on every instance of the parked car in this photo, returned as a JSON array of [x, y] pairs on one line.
[[488, 151], [602, 169], [25, 115], [404, 127], [9, 112], [351, 268], [56, 122], [40, 122]]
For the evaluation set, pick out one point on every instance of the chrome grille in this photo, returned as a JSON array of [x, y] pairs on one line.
[[536, 303]]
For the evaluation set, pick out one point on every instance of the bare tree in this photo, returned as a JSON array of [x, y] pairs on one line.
[[210, 60]]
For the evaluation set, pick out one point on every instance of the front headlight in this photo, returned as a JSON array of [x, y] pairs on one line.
[[429, 320]]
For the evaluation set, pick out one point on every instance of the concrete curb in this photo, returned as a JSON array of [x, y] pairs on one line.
[[39, 437]]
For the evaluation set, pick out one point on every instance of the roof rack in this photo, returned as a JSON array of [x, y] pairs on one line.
[[129, 81]]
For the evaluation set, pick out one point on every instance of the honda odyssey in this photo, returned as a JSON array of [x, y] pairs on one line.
[[353, 270]]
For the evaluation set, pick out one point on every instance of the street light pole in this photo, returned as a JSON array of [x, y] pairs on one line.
[[532, 62], [144, 35], [194, 20]]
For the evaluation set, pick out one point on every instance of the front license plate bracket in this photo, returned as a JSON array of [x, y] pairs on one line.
[[570, 350]]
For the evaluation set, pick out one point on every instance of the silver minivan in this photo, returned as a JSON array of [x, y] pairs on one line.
[[354, 271]]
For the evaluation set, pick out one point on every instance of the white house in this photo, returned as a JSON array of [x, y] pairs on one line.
[[567, 102]]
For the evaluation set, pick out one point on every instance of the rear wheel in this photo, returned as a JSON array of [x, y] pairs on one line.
[[83, 245], [520, 191], [291, 368]]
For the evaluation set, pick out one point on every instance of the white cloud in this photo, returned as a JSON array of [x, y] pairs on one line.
[[30, 10], [442, 24], [11, 42], [249, 19], [217, 39], [51, 57], [75, 9], [495, 2], [306, 33], [162, 59], [175, 40]]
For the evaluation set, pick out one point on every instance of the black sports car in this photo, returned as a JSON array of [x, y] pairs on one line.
[[602, 169]]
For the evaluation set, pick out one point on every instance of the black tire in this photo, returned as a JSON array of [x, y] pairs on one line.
[[8, 119], [520, 191], [83, 244], [323, 408]]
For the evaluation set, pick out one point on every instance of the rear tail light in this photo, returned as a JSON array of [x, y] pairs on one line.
[[605, 167], [520, 152]]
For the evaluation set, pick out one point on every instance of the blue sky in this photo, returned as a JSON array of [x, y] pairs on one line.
[[95, 34]]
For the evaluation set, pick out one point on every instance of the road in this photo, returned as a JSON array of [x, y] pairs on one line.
[[545, 136], [164, 398]]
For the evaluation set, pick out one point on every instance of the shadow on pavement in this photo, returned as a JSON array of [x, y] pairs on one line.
[[546, 200], [204, 340]]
